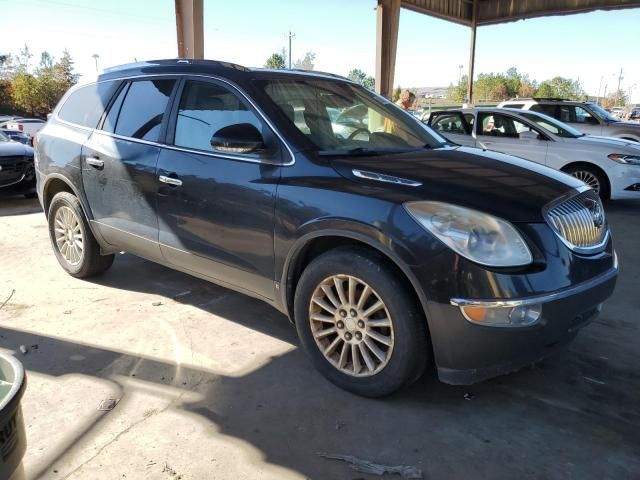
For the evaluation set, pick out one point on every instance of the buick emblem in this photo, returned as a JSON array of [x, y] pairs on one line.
[[597, 215]]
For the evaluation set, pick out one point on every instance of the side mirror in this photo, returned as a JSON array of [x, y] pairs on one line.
[[528, 135], [238, 138]]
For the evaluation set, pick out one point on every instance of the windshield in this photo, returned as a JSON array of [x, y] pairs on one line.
[[339, 117], [602, 113], [552, 125], [4, 137]]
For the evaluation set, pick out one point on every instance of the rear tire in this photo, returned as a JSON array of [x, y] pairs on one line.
[[592, 177], [370, 352], [73, 242]]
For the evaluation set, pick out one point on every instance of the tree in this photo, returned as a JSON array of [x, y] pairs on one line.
[[395, 94], [362, 78], [24, 92], [35, 91], [305, 63], [276, 61], [560, 87], [615, 99], [458, 92]]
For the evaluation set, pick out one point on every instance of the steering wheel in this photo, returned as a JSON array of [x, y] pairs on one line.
[[357, 131]]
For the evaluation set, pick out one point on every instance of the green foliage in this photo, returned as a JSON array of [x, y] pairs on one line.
[[34, 91], [395, 94], [560, 87], [276, 61], [458, 92], [496, 87], [362, 78], [305, 63]]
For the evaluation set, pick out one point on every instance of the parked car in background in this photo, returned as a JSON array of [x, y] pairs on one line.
[[17, 136], [634, 115], [617, 112], [587, 117], [17, 174], [29, 126], [608, 165], [389, 248]]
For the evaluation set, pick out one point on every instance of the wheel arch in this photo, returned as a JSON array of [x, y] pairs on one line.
[[56, 183], [591, 165], [313, 244]]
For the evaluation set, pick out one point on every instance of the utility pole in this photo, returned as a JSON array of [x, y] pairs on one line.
[[96, 57], [460, 67], [291, 35], [620, 77]]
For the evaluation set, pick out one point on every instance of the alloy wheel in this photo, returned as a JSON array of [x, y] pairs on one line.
[[589, 178], [68, 235], [351, 325]]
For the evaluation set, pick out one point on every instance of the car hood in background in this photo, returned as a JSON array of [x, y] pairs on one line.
[[15, 149], [508, 187], [595, 141]]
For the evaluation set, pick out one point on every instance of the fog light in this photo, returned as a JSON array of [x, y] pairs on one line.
[[520, 316]]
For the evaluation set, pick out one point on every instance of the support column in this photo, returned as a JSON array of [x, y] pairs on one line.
[[189, 27], [472, 51], [388, 22]]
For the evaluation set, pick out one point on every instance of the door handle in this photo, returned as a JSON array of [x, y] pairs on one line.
[[95, 162], [174, 182]]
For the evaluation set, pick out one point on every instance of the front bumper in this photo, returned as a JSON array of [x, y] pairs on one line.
[[467, 352], [623, 178]]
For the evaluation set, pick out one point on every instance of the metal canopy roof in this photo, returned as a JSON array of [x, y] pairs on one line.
[[501, 11]]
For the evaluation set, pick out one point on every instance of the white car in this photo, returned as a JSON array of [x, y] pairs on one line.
[[610, 166], [28, 126], [587, 117]]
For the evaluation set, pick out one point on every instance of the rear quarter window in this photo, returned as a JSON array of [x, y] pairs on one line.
[[85, 105]]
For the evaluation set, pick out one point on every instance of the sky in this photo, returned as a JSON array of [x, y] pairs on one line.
[[592, 47]]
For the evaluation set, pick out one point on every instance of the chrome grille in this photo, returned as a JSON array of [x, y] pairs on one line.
[[580, 222], [12, 169]]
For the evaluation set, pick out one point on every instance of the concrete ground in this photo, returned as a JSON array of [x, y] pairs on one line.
[[212, 384]]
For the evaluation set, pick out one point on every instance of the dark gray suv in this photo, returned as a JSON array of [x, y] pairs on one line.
[[389, 247]]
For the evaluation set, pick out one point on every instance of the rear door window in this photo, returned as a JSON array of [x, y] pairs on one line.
[[85, 105], [142, 109], [547, 109], [451, 123]]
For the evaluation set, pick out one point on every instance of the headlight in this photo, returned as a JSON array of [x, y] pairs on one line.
[[481, 238], [624, 158]]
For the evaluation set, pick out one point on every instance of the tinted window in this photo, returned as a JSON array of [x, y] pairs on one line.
[[143, 108], [85, 105], [450, 123], [546, 109], [204, 109], [514, 105], [110, 120], [496, 125]]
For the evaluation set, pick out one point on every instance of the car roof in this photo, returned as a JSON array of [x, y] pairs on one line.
[[545, 100], [206, 67]]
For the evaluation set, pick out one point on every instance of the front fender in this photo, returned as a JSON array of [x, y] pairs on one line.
[[393, 249]]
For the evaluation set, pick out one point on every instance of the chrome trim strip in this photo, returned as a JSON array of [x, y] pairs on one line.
[[173, 147], [13, 183], [549, 297], [381, 177], [138, 236]]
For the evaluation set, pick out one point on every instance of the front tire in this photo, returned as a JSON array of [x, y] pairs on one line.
[[360, 325], [73, 242], [592, 177]]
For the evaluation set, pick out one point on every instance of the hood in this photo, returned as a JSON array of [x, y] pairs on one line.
[[594, 140], [508, 187], [15, 149]]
